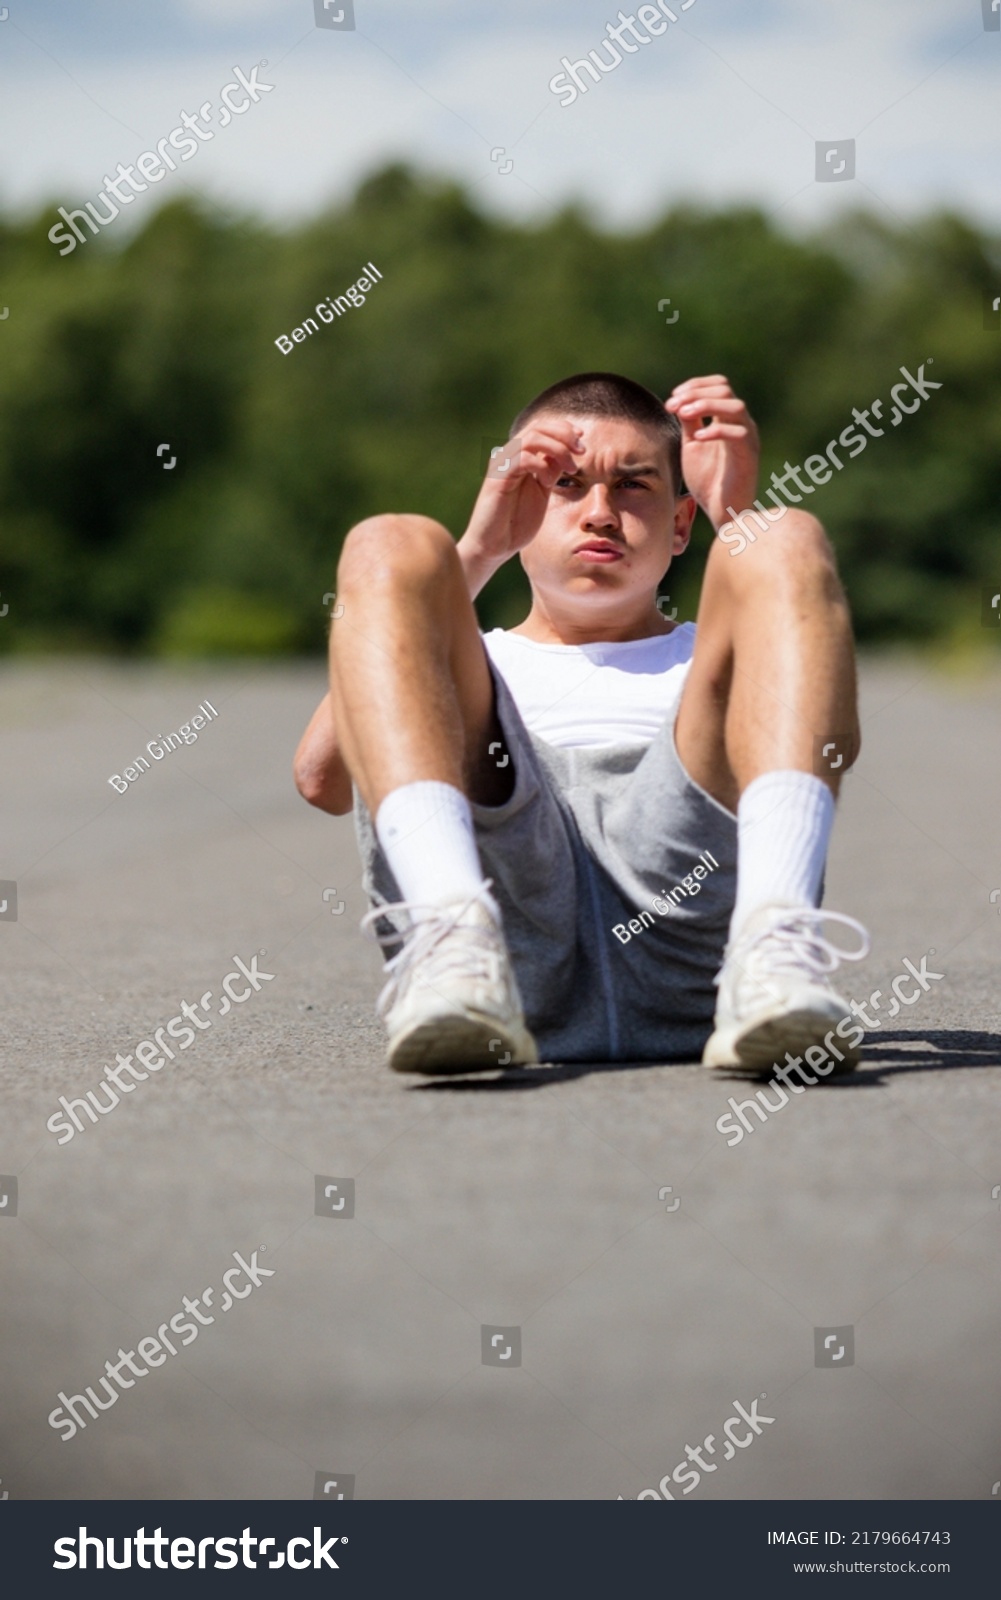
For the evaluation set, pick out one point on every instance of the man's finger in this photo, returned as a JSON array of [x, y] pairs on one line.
[[700, 397], [568, 438], [719, 405], [526, 451], [701, 377], [562, 440], [545, 464], [717, 378], [723, 430], [554, 429], [551, 460]]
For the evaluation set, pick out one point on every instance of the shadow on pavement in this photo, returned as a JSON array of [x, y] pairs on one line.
[[886, 1056]]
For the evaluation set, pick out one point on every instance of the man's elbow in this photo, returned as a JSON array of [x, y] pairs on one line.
[[317, 789]]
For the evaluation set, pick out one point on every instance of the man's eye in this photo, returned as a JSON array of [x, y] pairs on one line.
[[566, 482], [634, 483]]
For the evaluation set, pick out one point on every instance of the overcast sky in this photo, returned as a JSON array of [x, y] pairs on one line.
[[727, 105]]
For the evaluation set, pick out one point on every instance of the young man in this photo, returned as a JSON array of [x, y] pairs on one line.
[[540, 794]]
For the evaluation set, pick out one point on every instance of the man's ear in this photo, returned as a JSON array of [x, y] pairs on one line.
[[685, 508]]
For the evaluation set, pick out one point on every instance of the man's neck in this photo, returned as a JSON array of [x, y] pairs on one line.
[[543, 626]]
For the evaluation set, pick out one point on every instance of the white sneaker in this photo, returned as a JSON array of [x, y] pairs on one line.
[[451, 1002], [774, 990]]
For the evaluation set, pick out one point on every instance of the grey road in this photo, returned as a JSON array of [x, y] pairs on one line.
[[641, 1277]]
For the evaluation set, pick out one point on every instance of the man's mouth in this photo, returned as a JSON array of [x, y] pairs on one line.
[[600, 551]]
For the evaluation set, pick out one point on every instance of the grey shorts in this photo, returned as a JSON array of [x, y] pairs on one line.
[[587, 840]]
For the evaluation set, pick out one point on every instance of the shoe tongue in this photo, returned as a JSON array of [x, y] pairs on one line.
[[475, 914]]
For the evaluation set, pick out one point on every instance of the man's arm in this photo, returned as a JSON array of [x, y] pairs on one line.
[[320, 774], [512, 501], [478, 567], [719, 446]]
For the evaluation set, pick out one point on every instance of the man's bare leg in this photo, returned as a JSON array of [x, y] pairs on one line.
[[772, 681], [412, 703]]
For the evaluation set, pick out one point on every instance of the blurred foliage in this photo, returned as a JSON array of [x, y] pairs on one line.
[[112, 352]]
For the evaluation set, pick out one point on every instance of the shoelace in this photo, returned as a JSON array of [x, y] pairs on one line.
[[796, 945], [475, 958]]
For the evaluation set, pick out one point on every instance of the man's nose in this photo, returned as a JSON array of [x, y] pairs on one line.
[[598, 511]]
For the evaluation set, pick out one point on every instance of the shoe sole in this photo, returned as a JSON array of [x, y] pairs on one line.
[[762, 1046], [461, 1043]]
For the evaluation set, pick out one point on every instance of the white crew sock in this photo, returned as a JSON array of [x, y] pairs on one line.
[[783, 829], [426, 832]]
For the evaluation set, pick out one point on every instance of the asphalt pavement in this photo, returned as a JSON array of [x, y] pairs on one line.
[[558, 1284]]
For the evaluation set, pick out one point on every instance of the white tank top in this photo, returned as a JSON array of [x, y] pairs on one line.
[[594, 694]]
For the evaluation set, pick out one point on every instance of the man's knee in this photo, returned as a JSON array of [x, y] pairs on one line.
[[309, 780], [795, 550], [393, 547]]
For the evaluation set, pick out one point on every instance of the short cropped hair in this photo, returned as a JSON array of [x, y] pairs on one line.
[[607, 394]]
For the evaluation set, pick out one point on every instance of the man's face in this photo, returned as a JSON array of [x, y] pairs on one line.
[[611, 530]]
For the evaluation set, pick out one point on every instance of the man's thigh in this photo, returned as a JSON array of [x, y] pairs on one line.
[[488, 764], [700, 727]]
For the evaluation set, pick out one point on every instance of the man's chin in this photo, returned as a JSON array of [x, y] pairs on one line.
[[596, 580], [602, 592]]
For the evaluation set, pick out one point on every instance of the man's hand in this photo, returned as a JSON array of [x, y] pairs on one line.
[[512, 502], [719, 462]]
